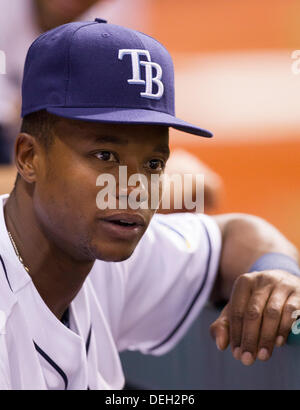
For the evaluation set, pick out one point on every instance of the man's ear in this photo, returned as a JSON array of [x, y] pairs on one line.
[[26, 153]]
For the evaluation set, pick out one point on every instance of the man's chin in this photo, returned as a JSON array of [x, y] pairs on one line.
[[114, 256]]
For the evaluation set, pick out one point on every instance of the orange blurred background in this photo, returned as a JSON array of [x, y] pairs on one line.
[[233, 76]]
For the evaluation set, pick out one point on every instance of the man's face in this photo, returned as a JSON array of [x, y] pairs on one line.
[[65, 192]]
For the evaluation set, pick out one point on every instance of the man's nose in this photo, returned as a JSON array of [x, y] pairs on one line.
[[132, 178]]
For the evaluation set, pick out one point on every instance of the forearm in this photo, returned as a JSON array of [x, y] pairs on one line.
[[245, 238]]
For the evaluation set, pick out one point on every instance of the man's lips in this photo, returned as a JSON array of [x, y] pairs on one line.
[[126, 219], [123, 225]]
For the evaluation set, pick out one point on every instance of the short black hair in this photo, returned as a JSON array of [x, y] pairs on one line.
[[40, 125]]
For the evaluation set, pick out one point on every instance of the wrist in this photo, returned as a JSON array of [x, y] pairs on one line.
[[276, 261]]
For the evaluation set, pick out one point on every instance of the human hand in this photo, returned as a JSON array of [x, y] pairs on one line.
[[258, 315]]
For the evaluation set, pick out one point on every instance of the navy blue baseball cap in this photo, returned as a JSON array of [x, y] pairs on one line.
[[94, 71]]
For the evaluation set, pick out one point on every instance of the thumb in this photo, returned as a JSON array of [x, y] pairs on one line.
[[219, 329]]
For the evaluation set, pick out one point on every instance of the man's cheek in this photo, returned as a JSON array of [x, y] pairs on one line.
[[78, 189]]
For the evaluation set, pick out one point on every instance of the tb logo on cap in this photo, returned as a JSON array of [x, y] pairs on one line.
[[149, 66]]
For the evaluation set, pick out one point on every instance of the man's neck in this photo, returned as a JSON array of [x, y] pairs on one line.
[[57, 277]]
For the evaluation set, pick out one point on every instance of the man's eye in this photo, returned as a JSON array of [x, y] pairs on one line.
[[156, 165], [106, 156]]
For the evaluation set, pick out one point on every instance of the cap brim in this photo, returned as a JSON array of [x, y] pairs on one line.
[[128, 116]]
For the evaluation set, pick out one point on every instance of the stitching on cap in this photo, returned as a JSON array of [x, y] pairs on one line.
[[140, 41], [68, 57], [157, 42], [36, 44], [112, 106]]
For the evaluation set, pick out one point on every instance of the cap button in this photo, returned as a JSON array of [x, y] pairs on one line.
[[100, 20]]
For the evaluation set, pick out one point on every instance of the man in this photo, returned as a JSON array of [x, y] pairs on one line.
[[21, 21], [81, 281]]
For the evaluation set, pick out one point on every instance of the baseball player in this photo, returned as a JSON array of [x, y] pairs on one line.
[[79, 284]]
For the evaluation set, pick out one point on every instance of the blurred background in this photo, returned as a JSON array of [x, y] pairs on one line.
[[233, 74]]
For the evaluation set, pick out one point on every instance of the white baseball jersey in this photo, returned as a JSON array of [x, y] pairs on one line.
[[145, 303]]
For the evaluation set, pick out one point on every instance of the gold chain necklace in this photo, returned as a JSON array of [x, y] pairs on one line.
[[17, 252]]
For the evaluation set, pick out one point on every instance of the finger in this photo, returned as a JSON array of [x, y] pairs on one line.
[[252, 323], [292, 304], [238, 303], [219, 330], [271, 321]]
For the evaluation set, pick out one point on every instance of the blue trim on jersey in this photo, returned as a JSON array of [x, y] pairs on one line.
[[172, 229], [53, 364], [87, 346], [88, 341], [195, 298], [40, 351], [5, 271], [65, 320]]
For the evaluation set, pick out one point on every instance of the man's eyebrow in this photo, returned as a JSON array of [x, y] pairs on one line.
[[164, 149], [113, 139]]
